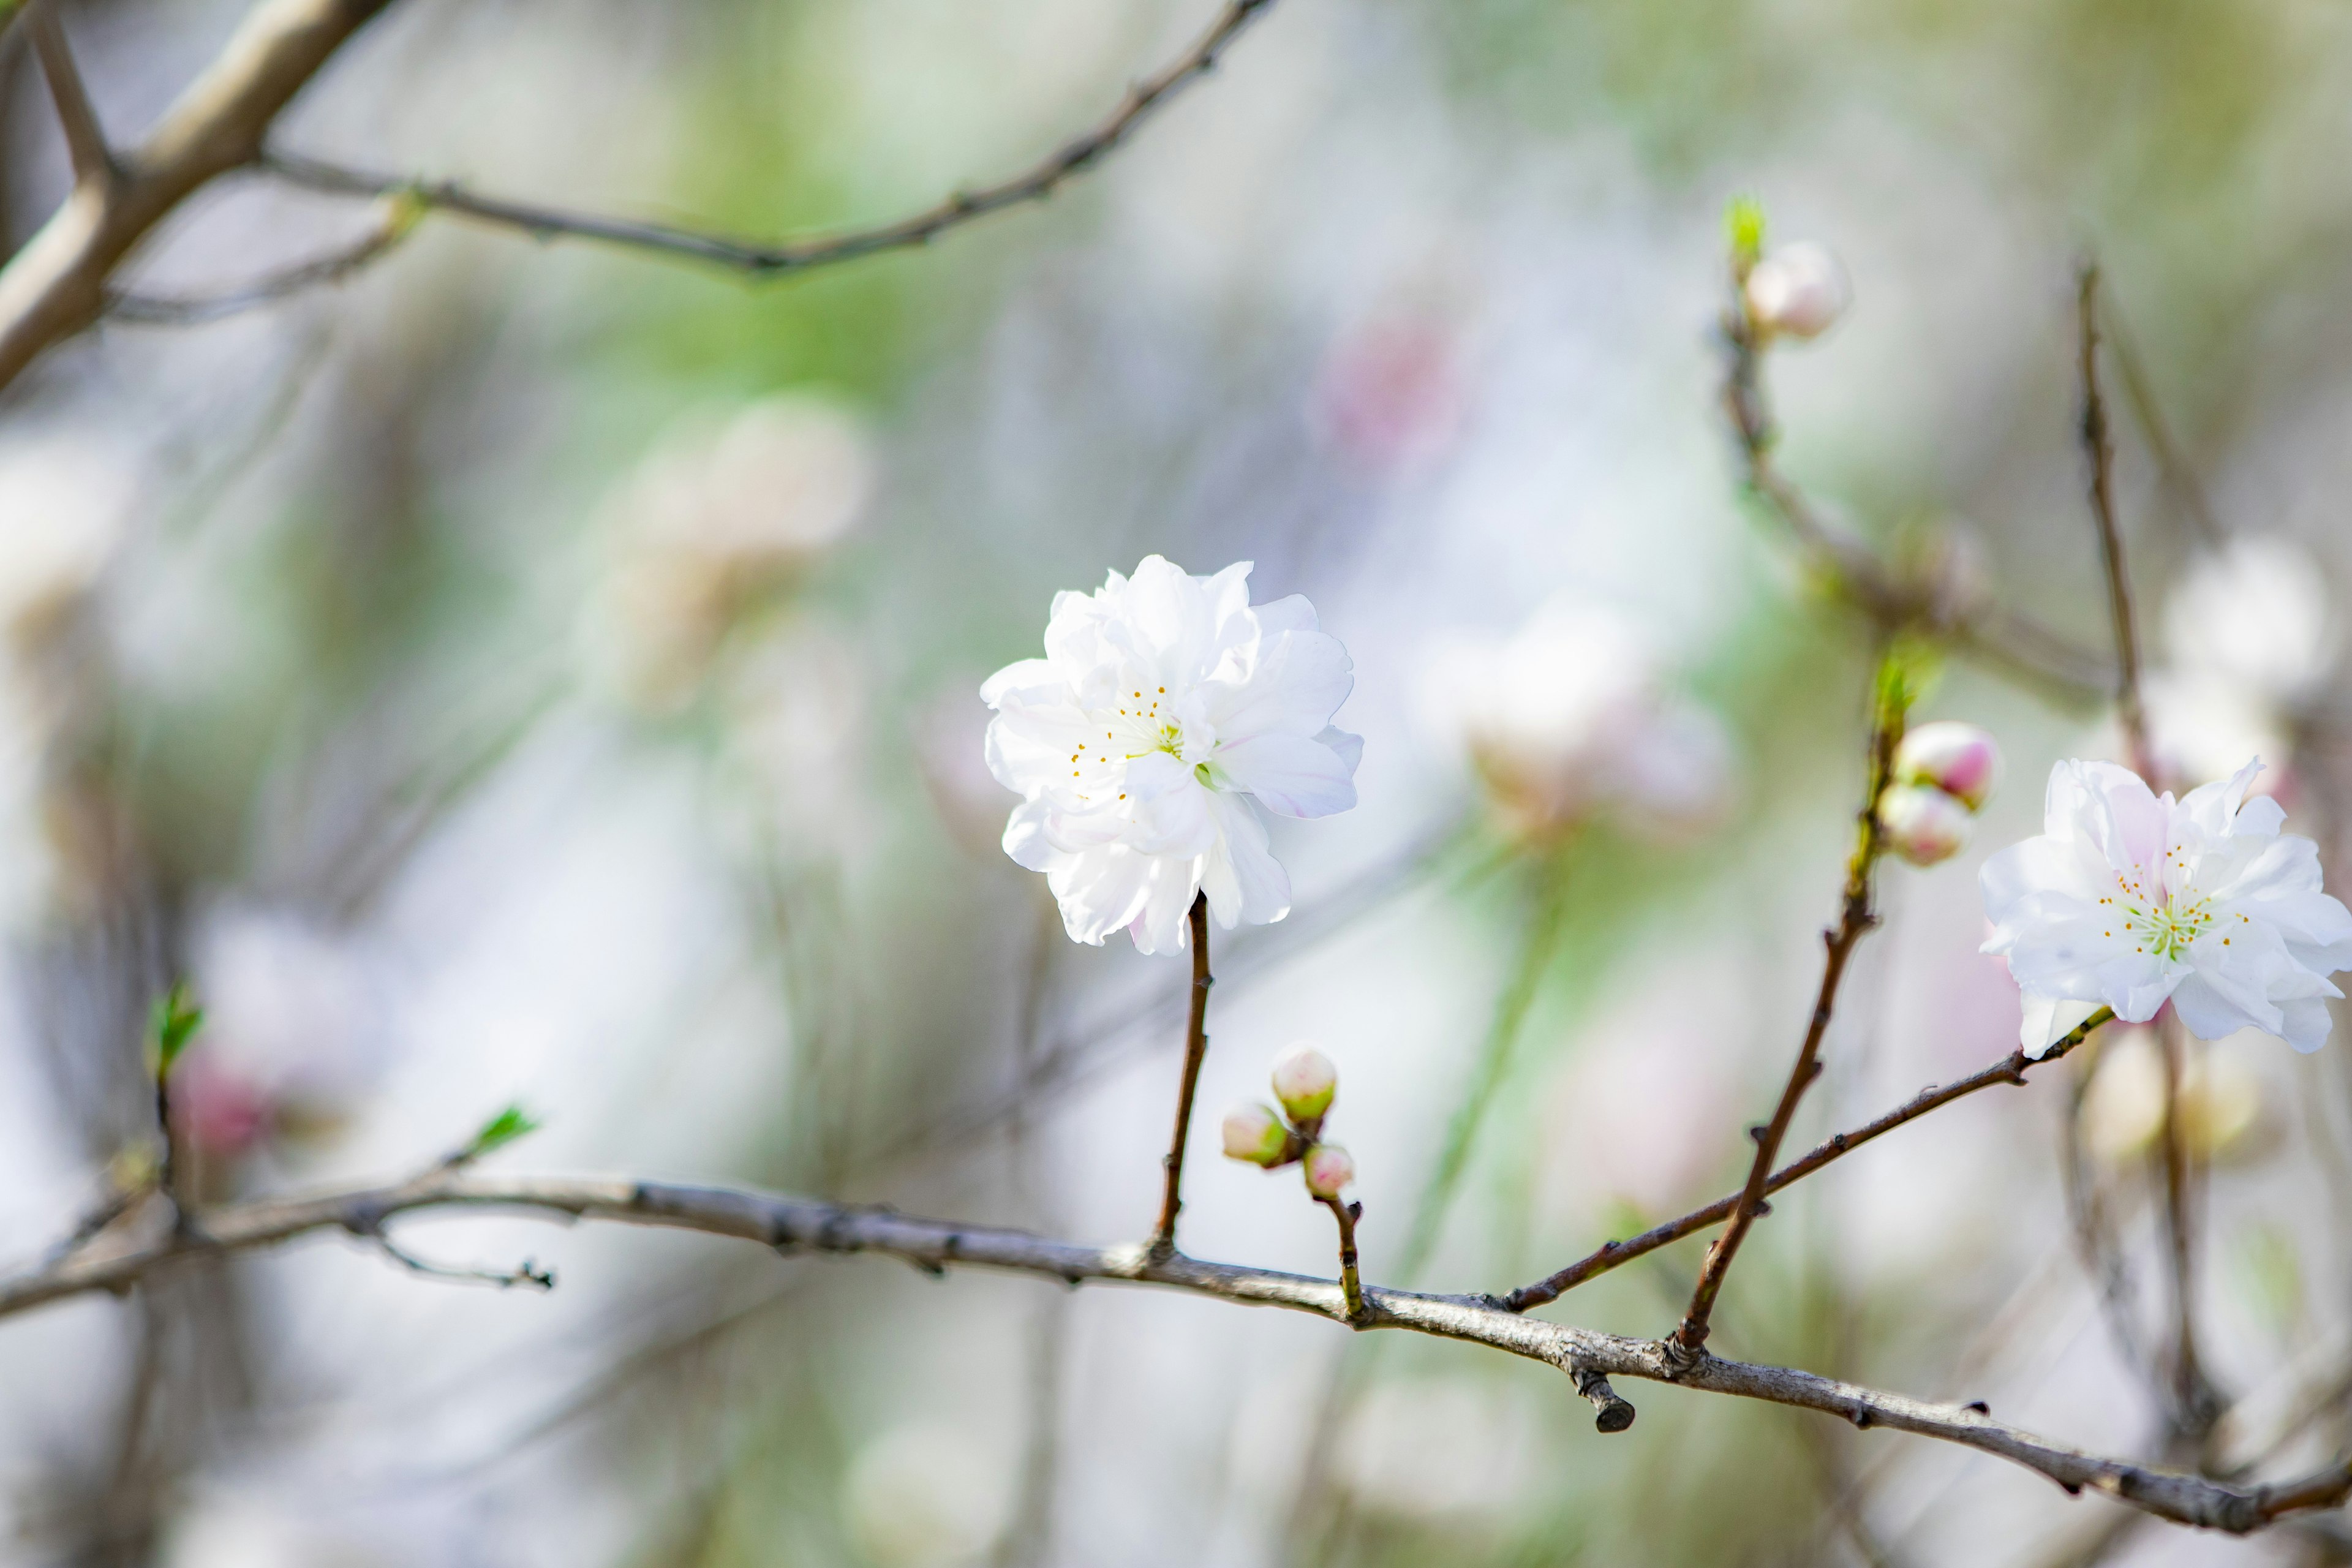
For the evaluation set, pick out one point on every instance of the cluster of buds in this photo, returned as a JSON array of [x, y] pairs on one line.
[[1305, 1083], [1942, 775]]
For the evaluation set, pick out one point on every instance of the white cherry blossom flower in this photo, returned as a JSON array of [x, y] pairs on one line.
[[1164, 706], [1572, 718], [2129, 899]]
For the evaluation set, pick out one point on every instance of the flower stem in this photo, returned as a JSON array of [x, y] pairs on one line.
[[1889, 703], [1196, 1047], [1351, 1288]]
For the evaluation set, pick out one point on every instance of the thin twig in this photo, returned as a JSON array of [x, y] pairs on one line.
[[771, 260], [2002, 639], [397, 222], [1196, 1047], [2099, 452], [2010, 1070], [794, 1225], [530, 1274], [2139, 390], [1856, 918], [93, 164], [2095, 1244]]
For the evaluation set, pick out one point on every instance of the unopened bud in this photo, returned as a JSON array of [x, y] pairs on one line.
[[1256, 1134], [1329, 1169], [1959, 759], [1797, 291], [1305, 1081], [1923, 823]]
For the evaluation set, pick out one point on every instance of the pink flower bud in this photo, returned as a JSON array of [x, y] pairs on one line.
[[1797, 290], [1254, 1134], [1305, 1081], [1959, 759], [1329, 1169], [1923, 823]]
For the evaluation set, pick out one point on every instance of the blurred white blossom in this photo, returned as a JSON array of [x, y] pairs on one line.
[[1164, 706], [1572, 719], [2131, 899], [2250, 640], [925, 1496], [799, 708], [2220, 1099], [720, 520]]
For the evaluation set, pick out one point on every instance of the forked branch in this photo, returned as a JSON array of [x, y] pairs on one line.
[[59, 285], [2010, 1070]]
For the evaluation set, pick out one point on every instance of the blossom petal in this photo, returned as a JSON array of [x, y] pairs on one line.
[[1294, 685], [1035, 679], [1290, 774], [2212, 1010], [2048, 1020], [1025, 840], [1347, 748], [1244, 880], [1100, 890]]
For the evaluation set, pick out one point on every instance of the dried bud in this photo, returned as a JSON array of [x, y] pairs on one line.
[[1329, 1169], [1305, 1081], [1256, 1134], [1797, 290], [1959, 759], [1923, 823]]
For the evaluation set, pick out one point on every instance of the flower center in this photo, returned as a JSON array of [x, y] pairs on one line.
[[1139, 722], [2158, 922]]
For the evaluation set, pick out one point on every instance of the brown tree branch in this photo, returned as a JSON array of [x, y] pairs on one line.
[[1196, 1047], [56, 286], [2011, 1068], [769, 259], [85, 138], [1856, 918], [794, 1225]]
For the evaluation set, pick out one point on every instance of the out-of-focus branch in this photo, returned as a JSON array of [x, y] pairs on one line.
[[2099, 452], [771, 260], [1997, 637], [2139, 390], [1889, 700], [56, 286], [2194, 1402], [395, 223], [85, 138], [2011, 1069], [794, 1225]]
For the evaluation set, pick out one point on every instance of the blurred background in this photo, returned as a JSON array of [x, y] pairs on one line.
[[537, 673]]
